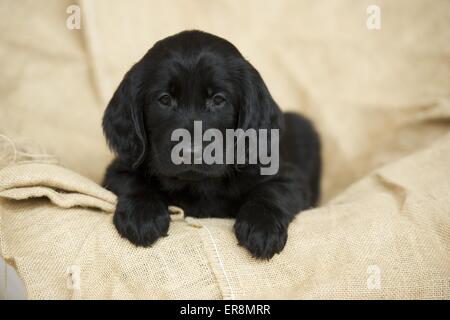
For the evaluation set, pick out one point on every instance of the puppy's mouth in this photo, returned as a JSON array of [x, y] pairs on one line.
[[196, 174], [191, 175]]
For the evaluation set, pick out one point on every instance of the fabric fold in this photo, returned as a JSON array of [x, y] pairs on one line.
[[63, 187]]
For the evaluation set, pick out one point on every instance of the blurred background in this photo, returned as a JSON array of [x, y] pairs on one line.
[[375, 94]]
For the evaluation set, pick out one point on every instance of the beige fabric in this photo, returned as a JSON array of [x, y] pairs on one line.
[[393, 224], [376, 97]]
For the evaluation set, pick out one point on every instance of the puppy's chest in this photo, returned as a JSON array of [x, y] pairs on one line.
[[204, 207]]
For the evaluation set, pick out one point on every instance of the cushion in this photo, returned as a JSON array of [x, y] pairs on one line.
[[387, 236], [380, 99]]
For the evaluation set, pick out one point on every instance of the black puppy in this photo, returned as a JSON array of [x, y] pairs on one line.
[[197, 76]]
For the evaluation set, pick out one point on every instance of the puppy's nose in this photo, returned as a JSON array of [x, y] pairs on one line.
[[194, 152]]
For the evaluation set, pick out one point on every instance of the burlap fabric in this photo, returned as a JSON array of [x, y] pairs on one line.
[[387, 236], [377, 97]]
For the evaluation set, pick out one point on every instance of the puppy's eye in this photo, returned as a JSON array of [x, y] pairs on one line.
[[218, 100], [165, 100]]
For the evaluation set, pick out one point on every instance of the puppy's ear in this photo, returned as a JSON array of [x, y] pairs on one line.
[[258, 110], [123, 123]]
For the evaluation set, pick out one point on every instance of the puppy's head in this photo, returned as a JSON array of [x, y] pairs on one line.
[[191, 76]]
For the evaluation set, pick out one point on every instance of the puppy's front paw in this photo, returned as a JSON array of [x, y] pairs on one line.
[[261, 232], [141, 220]]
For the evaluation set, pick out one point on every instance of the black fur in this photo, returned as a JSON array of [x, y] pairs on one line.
[[192, 66]]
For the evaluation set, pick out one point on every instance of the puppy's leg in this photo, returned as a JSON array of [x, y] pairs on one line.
[[141, 214], [263, 219]]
